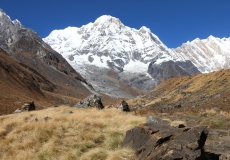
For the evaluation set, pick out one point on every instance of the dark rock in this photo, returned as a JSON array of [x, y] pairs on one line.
[[181, 126], [124, 106], [159, 141], [170, 69], [177, 106]]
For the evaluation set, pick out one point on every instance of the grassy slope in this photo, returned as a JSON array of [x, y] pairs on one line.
[[204, 99], [85, 134], [207, 90]]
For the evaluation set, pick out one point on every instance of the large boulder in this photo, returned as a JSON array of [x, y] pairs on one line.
[[159, 141], [91, 101], [124, 106], [28, 106]]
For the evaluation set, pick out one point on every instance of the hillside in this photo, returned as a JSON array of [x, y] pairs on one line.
[[202, 99], [30, 50], [210, 90], [19, 84]]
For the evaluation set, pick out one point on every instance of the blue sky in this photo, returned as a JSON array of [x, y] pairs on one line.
[[173, 21]]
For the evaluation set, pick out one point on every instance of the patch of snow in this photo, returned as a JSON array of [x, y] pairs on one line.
[[164, 59], [136, 67]]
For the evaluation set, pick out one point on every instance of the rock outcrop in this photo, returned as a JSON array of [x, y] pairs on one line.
[[91, 101], [171, 69], [28, 106], [159, 141]]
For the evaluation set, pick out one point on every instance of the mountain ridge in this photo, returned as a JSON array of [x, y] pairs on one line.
[[51, 73], [110, 45]]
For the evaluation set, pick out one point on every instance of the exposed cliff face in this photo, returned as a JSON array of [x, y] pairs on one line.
[[171, 69]]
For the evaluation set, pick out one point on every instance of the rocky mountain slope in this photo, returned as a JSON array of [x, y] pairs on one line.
[[107, 44], [27, 47], [207, 55], [50, 71]]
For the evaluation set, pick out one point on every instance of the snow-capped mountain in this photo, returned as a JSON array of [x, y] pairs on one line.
[[107, 44], [207, 55]]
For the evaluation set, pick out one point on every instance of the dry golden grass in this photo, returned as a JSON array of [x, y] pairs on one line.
[[177, 123], [85, 134], [215, 119], [193, 90]]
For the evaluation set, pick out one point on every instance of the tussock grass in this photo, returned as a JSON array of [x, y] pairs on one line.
[[215, 119], [86, 134], [176, 123]]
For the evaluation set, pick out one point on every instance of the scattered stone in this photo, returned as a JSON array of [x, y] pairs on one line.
[[34, 120], [181, 126], [162, 142], [54, 106], [139, 107], [91, 101], [67, 112], [46, 118], [110, 106], [151, 120], [177, 106], [124, 106]]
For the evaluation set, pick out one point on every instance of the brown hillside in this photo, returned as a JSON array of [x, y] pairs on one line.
[[202, 90], [19, 84]]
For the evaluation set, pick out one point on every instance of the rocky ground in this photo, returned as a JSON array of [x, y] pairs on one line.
[[216, 145]]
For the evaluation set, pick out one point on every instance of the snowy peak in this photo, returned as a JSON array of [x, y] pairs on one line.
[[144, 30], [5, 19], [108, 43], [108, 19], [208, 55], [2, 13], [136, 56], [17, 23]]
